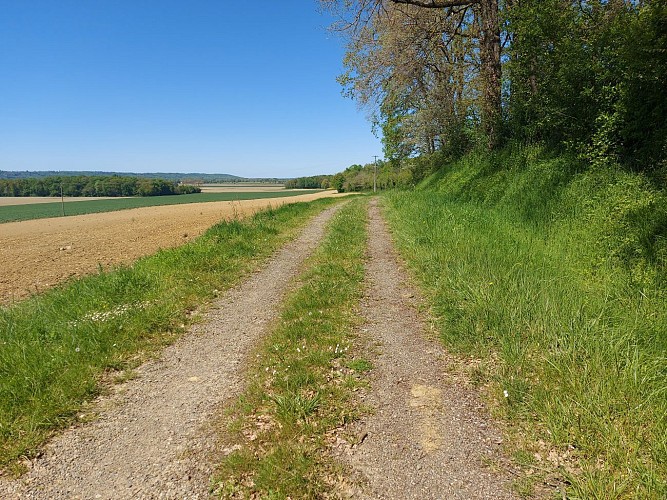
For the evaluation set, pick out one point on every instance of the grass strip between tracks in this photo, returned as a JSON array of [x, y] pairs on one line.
[[58, 349], [303, 378]]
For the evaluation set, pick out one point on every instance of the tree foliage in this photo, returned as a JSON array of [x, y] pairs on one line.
[[425, 67], [591, 75], [314, 182], [357, 178], [93, 186], [587, 76]]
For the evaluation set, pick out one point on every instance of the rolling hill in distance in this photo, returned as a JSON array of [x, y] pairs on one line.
[[170, 176]]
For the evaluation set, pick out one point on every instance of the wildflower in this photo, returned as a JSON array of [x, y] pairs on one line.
[[77, 349], [506, 394]]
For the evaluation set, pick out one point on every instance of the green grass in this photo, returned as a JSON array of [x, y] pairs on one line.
[[555, 280], [13, 213], [57, 349], [304, 377]]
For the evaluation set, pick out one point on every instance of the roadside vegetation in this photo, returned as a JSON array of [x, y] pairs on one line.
[[550, 282], [535, 135], [302, 381], [60, 349], [13, 213]]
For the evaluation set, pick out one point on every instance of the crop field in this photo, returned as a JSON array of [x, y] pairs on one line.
[[40, 210], [38, 254], [31, 200]]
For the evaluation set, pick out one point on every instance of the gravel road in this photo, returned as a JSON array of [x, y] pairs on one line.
[[430, 435], [151, 438]]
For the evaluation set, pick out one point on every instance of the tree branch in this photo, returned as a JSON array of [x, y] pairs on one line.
[[437, 4]]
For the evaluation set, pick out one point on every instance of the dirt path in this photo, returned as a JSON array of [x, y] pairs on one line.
[[37, 254], [429, 436], [151, 439]]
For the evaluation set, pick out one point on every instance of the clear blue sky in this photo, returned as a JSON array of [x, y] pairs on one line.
[[219, 86]]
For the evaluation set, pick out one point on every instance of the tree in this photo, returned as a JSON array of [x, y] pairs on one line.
[[369, 22], [591, 75]]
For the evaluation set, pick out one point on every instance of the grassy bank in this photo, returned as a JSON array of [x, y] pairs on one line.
[[553, 278], [13, 213], [57, 349], [303, 377]]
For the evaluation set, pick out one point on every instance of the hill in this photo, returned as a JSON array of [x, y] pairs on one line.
[[168, 176]]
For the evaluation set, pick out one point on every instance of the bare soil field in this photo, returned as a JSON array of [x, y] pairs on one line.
[[38, 254], [243, 188]]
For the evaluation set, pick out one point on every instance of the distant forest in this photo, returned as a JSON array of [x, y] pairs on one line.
[[83, 185], [186, 178], [315, 182]]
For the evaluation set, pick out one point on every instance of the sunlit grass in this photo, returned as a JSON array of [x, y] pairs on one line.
[[303, 378], [563, 309]]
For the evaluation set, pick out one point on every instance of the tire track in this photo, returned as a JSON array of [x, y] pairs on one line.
[[429, 436], [151, 438]]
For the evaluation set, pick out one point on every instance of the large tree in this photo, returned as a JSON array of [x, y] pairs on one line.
[[360, 16]]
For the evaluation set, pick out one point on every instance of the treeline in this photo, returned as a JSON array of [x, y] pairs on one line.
[[359, 178], [93, 186], [315, 182], [184, 178], [582, 77]]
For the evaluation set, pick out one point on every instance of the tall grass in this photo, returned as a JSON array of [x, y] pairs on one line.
[[56, 349], [303, 378], [555, 279]]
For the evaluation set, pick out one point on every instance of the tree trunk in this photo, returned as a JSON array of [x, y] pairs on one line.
[[491, 71], [489, 52]]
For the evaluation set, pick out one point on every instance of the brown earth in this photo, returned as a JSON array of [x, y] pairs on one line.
[[37, 254]]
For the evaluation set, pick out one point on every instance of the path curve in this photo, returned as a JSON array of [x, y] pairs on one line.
[[429, 436], [151, 439]]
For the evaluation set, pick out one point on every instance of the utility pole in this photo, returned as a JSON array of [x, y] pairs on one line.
[[375, 173]]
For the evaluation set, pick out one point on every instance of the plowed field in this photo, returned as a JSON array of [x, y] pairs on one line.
[[37, 254]]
